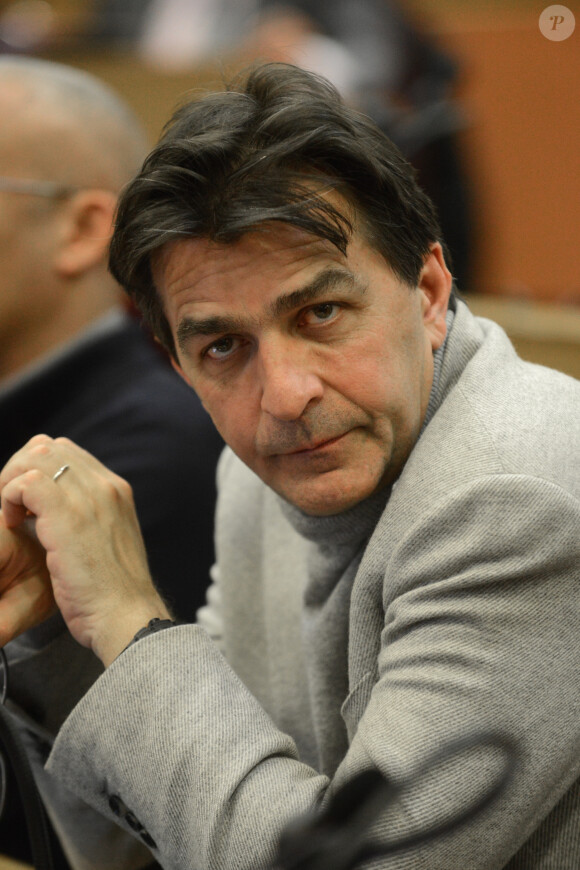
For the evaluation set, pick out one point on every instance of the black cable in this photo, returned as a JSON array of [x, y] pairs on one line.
[[335, 839]]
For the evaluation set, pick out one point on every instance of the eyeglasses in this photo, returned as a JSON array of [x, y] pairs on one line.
[[48, 189]]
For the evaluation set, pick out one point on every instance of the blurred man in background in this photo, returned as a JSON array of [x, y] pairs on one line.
[[73, 361]]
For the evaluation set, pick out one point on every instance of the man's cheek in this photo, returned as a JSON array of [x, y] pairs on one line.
[[232, 427]]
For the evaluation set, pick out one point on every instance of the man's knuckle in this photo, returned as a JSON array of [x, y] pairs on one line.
[[33, 476], [40, 449], [41, 438], [125, 487], [116, 488], [63, 441]]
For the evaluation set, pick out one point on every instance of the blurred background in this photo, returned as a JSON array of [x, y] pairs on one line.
[[477, 97]]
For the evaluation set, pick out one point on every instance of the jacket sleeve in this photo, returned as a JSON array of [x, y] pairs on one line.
[[478, 632]]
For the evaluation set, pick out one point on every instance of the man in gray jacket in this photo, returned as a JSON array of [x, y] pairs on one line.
[[397, 530]]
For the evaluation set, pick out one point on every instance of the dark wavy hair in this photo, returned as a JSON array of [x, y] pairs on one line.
[[269, 148]]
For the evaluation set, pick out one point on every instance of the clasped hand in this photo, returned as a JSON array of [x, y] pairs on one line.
[[87, 556]]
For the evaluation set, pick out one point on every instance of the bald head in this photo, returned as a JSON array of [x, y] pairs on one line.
[[61, 124]]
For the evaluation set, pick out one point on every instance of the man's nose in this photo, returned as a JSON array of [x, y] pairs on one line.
[[289, 379]]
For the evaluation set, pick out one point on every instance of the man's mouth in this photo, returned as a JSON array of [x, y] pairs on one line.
[[315, 446]]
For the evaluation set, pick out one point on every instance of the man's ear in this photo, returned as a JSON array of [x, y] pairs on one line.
[[435, 282], [86, 232]]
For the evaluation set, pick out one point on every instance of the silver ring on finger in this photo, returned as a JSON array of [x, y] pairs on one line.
[[60, 472]]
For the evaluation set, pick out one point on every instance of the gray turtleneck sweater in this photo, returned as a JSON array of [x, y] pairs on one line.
[[443, 608]]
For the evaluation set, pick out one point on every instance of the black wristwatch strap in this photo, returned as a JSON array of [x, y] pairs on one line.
[[152, 626]]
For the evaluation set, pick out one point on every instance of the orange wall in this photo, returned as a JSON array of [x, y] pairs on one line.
[[521, 94]]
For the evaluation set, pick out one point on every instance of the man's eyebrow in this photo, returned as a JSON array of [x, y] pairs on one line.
[[324, 283], [190, 327]]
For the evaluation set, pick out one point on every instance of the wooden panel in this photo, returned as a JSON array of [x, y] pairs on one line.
[[11, 864], [542, 333]]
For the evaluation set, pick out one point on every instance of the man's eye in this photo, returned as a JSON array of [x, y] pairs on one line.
[[321, 313], [222, 348]]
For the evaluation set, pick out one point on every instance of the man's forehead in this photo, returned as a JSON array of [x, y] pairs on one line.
[[199, 261]]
